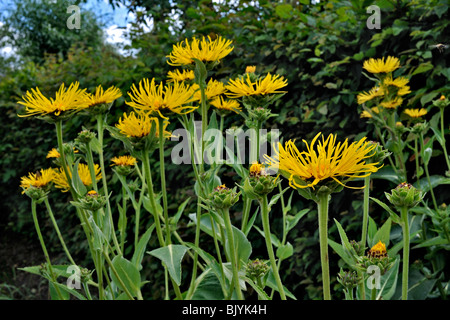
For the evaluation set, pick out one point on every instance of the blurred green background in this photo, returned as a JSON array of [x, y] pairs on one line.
[[318, 47]]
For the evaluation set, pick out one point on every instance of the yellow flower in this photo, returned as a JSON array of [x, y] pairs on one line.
[[398, 82], [39, 179], [241, 87], [250, 69], [123, 161], [214, 88], [381, 66], [157, 99], [378, 250], [372, 94], [226, 105], [184, 75], [139, 126], [205, 50], [403, 90], [100, 96], [54, 153], [256, 169], [60, 179], [66, 99], [339, 161], [415, 113], [392, 104]]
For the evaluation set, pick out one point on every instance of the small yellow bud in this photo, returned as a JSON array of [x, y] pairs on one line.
[[250, 69]]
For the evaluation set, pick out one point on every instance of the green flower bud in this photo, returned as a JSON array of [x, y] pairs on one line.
[[442, 102], [91, 201], [376, 256], [420, 128], [349, 279], [37, 194], [379, 153], [405, 195], [259, 183], [222, 197], [256, 269], [85, 136]]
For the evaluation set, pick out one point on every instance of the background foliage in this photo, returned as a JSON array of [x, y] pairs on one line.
[[319, 48]]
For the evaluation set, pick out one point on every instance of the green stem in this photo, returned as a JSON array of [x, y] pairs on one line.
[[245, 212], [163, 179], [443, 139], [425, 165], [365, 211], [151, 196], [104, 182], [59, 135], [266, 228], [405, 230], [323, 240], [58, 232], [373, 294], [44, 248], [416, 156], [124, 220], [232, 250]]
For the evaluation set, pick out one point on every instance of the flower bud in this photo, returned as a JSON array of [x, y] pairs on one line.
[[379, 153], [256, 269], [349, 279], [91, 201], [442, 102], [259, 183], [222, 197], [376, 256], [405, 195], [85, 136]]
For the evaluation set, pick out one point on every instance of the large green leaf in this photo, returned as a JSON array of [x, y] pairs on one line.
[[171, 256], [242, 246], [128, 277]]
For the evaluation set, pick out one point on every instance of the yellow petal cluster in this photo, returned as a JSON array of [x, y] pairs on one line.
[[100, 96], [381, 65], [244, 86], [60, 179], [39, 179], [415, 113], [158, 99], [205, 50], [123, 161], [66, 99], [331, 160]]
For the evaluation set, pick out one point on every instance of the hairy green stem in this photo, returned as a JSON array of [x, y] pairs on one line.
[[163, 179], [232, 250], [323, 240], [44, 247], [266, 228], [405, 231]]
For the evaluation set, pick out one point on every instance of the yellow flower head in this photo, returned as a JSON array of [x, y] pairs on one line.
[[54, 153], [214, 88], [140, 125], [158, 99], [60, 179], [256, 169], [415, 113], [339, 161], [392, 104], [39, 179], [123, 161], [367, 114], [66, 99], [378, 250], [241, 87], [226, 105], [205, 50], [381, 66], [372, 94], [250, 69], [100, 96], [184, 75], [398, 82]]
